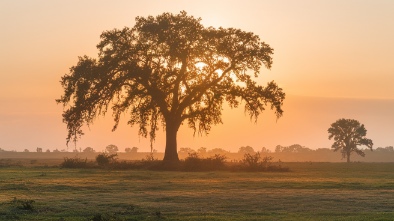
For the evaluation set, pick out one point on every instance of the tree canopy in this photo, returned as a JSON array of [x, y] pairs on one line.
[[348, 134], [165, 71]]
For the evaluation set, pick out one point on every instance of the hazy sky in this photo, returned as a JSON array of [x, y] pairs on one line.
[[324, 50]]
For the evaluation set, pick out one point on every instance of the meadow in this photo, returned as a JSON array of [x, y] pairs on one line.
[[310, 191]]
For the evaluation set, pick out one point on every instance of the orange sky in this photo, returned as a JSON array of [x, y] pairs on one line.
[[324, 50]]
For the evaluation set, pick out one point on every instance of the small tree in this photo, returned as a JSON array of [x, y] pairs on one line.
[[88, 150], [111, 149], [245, 150], [265, 150], [104, 159], [348, 134], [131, 150]]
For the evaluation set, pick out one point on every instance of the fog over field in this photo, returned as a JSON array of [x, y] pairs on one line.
[[31, 123]]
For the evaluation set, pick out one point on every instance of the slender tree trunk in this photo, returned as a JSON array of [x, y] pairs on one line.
[[171, 152], [348, 156]]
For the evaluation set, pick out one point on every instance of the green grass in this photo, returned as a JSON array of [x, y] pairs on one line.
[[311, 191]]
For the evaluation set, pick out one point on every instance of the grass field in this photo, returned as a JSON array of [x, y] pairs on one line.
[[311, 191]]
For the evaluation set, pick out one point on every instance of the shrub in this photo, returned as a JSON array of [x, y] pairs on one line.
[[74, 163], [194, 163], [254, 162], [104, 159], [149, 157]]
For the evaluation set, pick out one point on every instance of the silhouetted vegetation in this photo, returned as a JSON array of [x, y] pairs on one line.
[[348, 134], [88, 150], [254, 162], [75, 163], [111, 149], [131, 150], [194, 163], [104, 159], [167, 70]]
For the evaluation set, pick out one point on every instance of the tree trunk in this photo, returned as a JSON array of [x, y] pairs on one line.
[[348, 156], [171, 152]]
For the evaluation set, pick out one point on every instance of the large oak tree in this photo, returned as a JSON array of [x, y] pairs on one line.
[[168, 70], [348, 134]]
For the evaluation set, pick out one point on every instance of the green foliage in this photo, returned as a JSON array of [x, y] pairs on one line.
[[312, 191]]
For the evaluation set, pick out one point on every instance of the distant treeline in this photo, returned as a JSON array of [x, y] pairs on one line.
[[292, 153]]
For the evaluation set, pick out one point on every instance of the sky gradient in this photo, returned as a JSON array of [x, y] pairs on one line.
[[332, 58]]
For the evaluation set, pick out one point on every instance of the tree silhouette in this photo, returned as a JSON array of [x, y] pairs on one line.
[[111, 149], [246, 149], [168, 70], [348, 134], [89, 150]]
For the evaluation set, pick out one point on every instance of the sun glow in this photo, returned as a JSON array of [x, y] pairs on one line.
[[200, 65]]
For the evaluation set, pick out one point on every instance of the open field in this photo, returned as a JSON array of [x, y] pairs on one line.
[[311, 191]]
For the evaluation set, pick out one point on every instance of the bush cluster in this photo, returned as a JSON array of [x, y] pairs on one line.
[[75, 163], [192, 163]]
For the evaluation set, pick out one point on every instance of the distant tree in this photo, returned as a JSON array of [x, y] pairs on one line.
[[323, 150], [39, 150], [295, 148], [104, 159], [26, 151], [385, 149], [390, 148], [186, 150], [111, 149], [131, 150], [167, 70], [265, 150], [245, 150], [218, 151], [202, 151], [48, 151], [2, 150], [88, 150], [279, 149], [56, 150], [348, 134]]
